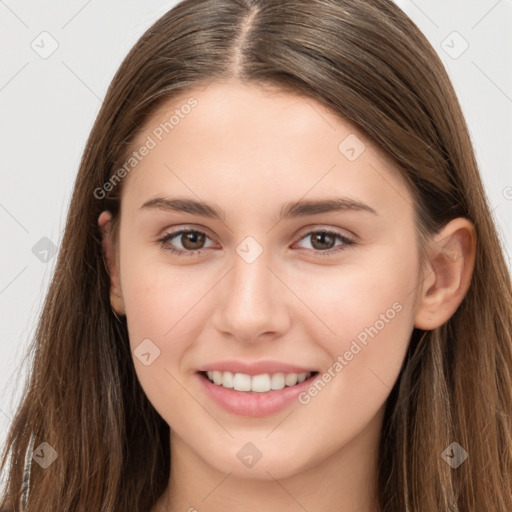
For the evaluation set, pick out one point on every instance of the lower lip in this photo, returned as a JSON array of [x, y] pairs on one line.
[[251, 403]]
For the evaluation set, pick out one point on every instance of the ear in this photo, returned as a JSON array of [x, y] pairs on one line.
[[449, 268], [110, 258]]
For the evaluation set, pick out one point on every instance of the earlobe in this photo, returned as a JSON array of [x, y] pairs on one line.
[[109, 257], [448, 274]]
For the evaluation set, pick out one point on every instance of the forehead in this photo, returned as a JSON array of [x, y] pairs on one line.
[[256, 140]]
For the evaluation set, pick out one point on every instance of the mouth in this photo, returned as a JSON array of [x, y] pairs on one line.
[[262, 383], [255, 388]]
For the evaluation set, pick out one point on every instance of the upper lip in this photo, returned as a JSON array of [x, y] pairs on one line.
[[254, 368]]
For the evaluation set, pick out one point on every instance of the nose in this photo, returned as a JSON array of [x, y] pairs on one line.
[[253, 304]]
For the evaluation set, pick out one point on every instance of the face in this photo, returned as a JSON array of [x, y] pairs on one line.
[[266, 241]]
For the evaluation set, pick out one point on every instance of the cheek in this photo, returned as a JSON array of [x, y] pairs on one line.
[[162, 325], [159, 298], [372, 291], [161, 318], [161, 304], [370, 307]]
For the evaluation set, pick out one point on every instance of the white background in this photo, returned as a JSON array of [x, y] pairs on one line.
[[48, 107]]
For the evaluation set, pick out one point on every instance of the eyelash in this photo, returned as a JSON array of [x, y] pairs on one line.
[[164, 242]]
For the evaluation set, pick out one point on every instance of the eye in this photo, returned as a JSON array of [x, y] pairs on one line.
[[192, 241], [323, 241]]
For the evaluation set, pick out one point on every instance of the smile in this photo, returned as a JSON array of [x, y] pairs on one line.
[[256, 395], [256, 383]]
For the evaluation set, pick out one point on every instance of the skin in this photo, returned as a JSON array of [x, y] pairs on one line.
[[250, 150]]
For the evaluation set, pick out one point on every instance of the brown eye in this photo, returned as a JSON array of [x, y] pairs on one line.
[[323, 242], [191, 241]]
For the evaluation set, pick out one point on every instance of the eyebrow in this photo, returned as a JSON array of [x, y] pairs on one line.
[[301, 208]]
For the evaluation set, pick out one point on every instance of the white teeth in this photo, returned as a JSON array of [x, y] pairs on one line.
[[227, 380], [261, 383], [257, 383], [277, 381], [291, 379], [242, 382]]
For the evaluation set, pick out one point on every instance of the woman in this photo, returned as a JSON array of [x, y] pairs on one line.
[[280, 286]]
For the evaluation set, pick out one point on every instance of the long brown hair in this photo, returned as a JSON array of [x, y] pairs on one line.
[[369, 63]]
